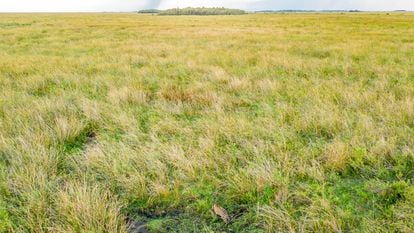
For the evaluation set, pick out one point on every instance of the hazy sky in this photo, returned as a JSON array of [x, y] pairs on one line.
[[132, 5]]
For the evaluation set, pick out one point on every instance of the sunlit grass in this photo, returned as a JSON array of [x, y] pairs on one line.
[[291, 122]]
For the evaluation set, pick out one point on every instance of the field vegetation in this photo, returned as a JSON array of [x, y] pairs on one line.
[[202, 11], [287, 122]]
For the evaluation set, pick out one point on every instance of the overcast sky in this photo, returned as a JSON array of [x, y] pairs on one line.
[[132, 5]]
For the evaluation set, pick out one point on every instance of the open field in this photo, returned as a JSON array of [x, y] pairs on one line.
[[291, 122]]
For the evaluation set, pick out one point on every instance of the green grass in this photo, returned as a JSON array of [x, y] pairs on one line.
[[291, 122]]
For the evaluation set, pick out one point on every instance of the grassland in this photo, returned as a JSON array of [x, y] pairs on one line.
[[202, 11], [291, 122]]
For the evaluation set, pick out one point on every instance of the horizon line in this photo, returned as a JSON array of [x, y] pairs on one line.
[[258, 10]]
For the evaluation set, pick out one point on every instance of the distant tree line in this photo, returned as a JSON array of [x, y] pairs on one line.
[[149, 11], [199, 11], [304, 11]]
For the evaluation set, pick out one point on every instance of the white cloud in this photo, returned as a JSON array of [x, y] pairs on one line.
[[131, 5], [75, 5]]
